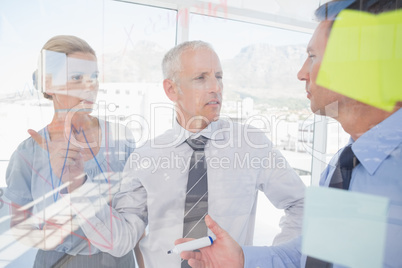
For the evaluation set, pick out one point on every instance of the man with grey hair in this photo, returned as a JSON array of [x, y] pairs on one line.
[[202, 165], [374, 154], [201, 105]]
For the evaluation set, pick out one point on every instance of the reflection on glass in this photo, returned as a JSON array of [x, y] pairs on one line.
[[261, 89], [135, 40], [73, 150], [261, 86], [130, 41]]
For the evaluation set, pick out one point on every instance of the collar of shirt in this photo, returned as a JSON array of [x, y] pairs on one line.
[[374, 146], [212, 132]]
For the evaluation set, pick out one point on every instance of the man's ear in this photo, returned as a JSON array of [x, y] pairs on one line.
[[170, 88]]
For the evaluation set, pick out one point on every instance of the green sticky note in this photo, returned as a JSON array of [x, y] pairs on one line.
[[363, 58], [345, 228]]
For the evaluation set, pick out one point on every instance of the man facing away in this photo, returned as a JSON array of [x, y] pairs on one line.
[[376, 141], [238, 161]]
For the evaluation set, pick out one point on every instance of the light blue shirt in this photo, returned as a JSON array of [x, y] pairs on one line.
[[379, 151], [29, 177]]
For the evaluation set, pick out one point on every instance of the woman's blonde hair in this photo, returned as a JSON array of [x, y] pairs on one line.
[[67, 44]]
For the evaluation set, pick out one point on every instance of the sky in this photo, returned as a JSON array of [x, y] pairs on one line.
[[240, 34], [110, 27]]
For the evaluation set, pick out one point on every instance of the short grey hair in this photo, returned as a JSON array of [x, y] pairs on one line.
[[171, 64]]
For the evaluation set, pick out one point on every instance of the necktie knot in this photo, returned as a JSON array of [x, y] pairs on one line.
[[343, 170], [197, 144], [347, 159]]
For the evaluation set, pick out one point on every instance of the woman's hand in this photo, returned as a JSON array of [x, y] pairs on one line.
[[66, 159]]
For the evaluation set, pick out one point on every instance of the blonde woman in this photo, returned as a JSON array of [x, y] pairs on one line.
[[74, 150]]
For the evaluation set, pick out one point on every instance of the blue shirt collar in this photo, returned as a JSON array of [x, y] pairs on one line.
[[374, 146]]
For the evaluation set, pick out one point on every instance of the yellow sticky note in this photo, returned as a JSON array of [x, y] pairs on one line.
[[363, 58]]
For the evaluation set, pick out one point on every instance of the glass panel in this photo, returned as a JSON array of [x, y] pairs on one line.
[[135, 40], [285, 8], [129, 41], [260, 66]]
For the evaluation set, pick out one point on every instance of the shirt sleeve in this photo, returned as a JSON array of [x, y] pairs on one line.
[[286, 255], [114, 228], [19, 174], [285, 190]]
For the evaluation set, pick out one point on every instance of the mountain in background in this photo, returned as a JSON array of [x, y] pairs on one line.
[[260, 71], [140, 64], [263, 72]]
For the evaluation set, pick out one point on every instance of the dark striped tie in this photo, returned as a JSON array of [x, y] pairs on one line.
[[341, 180], [196, 206]]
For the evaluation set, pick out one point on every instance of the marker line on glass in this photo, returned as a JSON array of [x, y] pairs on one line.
[[192, 245]]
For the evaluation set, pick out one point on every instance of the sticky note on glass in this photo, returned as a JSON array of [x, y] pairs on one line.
[[363, 58], [345, 228]]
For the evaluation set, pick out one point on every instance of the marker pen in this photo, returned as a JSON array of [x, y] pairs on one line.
[[192, 245]]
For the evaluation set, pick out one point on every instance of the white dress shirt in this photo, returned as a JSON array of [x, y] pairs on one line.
[[240, 161]]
